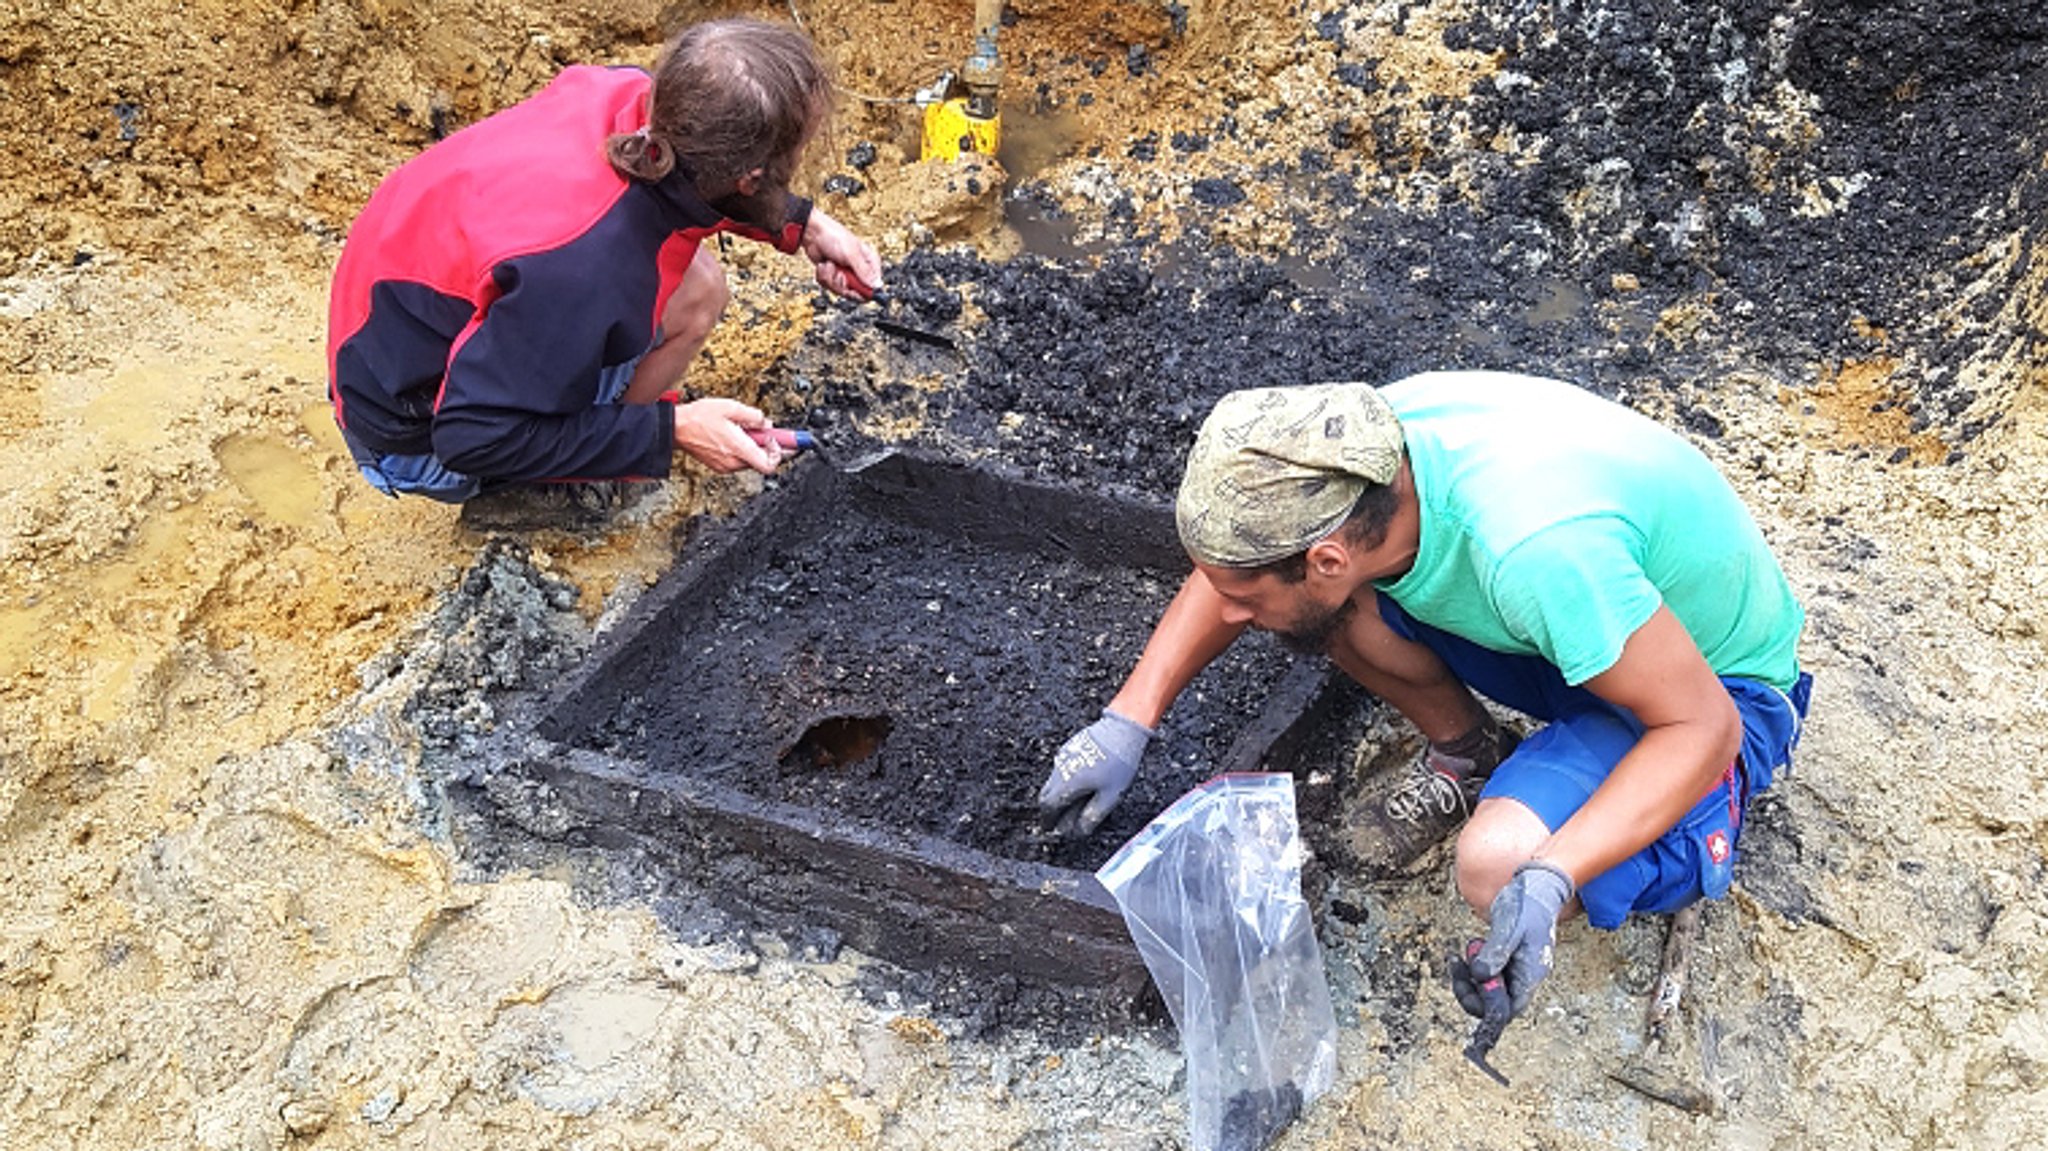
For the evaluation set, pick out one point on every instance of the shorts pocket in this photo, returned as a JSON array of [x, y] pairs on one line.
[[1694, 858]]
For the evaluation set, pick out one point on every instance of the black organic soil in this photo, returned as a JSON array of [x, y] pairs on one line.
[[1799, 187], [921, 681]]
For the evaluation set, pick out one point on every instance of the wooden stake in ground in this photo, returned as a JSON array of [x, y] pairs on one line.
[[1669, 991], [1648, 1073]]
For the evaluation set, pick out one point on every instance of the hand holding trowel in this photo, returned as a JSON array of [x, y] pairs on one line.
[[794, 440]]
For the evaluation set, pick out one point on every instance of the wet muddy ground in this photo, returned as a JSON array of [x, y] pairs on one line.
[[249, 706]]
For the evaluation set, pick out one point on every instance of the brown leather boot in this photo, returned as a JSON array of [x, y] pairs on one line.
[[1403, 812]]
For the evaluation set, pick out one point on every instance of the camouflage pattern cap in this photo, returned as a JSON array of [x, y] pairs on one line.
[[1273, 470]]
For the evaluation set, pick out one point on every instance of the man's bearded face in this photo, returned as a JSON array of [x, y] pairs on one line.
[[1311, 631]]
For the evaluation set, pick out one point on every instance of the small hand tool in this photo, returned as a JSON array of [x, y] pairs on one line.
[[882, 298], [788, 439], [1494, 994], [794, 440]]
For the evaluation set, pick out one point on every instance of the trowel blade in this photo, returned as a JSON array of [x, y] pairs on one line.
[[853, 464], [905, 331]]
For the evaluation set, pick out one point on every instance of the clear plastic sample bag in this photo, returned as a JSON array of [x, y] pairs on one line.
[[1211, 890]]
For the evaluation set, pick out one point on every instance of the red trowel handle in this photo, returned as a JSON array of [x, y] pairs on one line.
[[861, 288], [788, 439]]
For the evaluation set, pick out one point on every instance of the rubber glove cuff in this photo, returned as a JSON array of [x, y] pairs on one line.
[[1130, 735], [1522, 937]]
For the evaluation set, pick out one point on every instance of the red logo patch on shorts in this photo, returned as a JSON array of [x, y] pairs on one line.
[[1717, 846]]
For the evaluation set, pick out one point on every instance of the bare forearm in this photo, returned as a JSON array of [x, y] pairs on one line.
[[1190, 633], [1691, 732], [1653, 786]]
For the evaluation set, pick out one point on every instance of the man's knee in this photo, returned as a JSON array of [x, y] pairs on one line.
[[1502, 835]]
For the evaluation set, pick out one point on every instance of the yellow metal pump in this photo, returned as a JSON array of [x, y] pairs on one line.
[[960, 111]]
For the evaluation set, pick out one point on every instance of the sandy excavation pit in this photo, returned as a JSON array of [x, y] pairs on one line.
[[848, 699], [239, 686]]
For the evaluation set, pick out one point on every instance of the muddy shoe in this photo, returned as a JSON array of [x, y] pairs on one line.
[[567, 507], [1405, 812]]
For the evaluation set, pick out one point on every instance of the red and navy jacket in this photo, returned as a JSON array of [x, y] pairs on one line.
[[490, 279]]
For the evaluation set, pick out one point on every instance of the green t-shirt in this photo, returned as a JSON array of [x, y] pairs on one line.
[[1554, 522]]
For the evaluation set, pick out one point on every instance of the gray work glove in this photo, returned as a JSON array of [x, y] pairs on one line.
[[1089, 774], [1520, 939]]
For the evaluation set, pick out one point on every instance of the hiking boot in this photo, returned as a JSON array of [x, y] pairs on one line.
[[1402, 813], [566, 506]]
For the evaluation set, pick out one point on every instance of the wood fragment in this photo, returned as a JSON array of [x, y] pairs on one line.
[[1669, 992], [1666, 1088]]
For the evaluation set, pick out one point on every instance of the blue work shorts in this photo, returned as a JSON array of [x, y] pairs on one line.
[[1555, 770]]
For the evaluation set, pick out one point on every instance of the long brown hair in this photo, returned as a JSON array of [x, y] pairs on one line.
[[729, 96]]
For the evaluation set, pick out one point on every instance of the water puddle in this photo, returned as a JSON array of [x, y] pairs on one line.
[[144, 576], [1048, 234], [1551, 301], [1034, 139], [279, 478]]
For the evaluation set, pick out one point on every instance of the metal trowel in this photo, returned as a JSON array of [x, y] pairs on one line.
[[905, 332], [1494, 995], [889, 326], [793, 440]]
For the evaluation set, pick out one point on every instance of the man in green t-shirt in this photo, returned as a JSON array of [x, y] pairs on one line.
[[1524, 539]]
